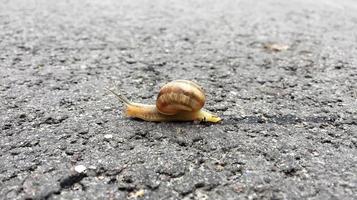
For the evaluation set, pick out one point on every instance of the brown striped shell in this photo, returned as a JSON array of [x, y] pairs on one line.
[[178, 96]]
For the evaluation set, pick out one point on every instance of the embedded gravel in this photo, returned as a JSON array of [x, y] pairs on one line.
[[289, 128]]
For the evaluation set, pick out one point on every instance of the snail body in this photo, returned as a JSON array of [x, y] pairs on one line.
[[179, 100]]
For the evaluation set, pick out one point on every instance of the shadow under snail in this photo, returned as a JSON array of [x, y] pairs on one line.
[[179, 100]]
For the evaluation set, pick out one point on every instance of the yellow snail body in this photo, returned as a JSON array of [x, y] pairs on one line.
[[179, 100]]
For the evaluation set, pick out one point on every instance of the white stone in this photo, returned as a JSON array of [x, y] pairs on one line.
[[80, 168], [108, 136]]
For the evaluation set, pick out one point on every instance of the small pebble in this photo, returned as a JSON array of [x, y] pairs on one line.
[[139, 193], [233, 93], [276, 47], [92, 167], [108, 136], [80, 168]]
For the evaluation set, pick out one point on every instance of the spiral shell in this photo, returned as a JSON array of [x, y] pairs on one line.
[[178, 96]]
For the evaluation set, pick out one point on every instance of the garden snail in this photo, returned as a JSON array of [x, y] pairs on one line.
[[179, 100]]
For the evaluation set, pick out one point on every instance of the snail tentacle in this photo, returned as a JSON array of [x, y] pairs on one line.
[[121, 97]]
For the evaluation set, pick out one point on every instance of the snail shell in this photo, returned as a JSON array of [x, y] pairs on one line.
[[178, 96]]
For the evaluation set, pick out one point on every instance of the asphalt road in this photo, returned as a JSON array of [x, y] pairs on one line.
[[289, 128]]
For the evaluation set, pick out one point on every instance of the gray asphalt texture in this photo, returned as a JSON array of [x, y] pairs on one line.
[[289, 128]]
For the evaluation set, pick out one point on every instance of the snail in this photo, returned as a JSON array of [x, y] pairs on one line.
[[179, 100]]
